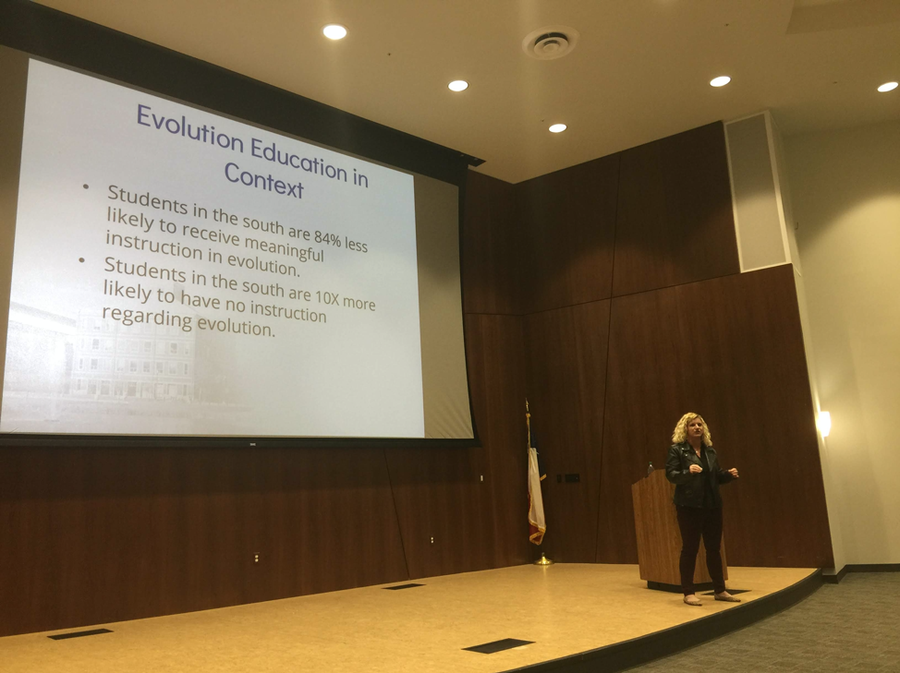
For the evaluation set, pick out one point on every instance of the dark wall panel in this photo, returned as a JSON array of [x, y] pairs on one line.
[[568, 218], [101, 534], [440, 500], [332, 510], [493, 247], [567, 351], [675, 223], [496, 351], [465, 509], [730, 349]]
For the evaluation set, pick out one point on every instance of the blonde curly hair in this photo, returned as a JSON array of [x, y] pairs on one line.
[[679, 435]]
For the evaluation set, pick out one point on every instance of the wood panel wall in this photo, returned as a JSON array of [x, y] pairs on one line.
[[493, 248], [95, 534], [641, 315], [568, 219], [465, 509], [102, 534], [730, 349], [675, 221], [608, 293], [567, 352]]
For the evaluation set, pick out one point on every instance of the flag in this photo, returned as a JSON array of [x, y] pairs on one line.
[[537, 526]]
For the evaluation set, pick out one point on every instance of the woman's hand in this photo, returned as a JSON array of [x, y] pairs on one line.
[[733, 472], [696, 469]]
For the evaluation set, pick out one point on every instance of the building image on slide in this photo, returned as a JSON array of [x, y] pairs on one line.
[[39, 352], [150, 362], [60, 367]]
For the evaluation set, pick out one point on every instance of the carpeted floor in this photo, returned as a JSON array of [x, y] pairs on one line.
[[851, 626]]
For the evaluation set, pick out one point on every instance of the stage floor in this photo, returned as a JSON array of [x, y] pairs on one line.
[[564, 609]]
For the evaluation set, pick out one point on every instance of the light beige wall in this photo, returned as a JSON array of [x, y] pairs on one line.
[[834, 492], [845, 188]]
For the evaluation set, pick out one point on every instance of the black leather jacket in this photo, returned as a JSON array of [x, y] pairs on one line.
[[688, 486]]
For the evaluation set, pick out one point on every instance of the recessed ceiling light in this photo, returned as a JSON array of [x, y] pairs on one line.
[[558, 128], [720, 81], [458, 85], [887, 86], [334, 31]]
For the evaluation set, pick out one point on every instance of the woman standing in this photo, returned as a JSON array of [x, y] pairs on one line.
[[693, 467]]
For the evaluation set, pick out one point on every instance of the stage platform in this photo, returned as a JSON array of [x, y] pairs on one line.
[[576, 617]]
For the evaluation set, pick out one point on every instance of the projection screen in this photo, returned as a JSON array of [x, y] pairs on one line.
[[172, 271]]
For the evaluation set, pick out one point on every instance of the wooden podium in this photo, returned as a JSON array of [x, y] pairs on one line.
[[658, 537]]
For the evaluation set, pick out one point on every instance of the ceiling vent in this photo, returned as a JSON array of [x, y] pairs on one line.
[[550, 42]]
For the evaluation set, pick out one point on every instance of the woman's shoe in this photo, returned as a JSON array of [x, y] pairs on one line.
[[727, 597], [692, 600]]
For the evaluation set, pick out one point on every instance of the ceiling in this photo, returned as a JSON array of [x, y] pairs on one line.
[[640, 69]]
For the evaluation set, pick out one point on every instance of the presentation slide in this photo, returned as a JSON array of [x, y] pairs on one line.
[[177, 272]]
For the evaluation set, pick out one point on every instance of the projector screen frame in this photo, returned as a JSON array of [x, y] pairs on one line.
[[61, 39]]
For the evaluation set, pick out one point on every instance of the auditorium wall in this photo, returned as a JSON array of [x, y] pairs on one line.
[[636, 312], [608, 293], [845, 188]]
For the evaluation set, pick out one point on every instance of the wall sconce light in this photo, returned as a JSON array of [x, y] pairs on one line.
[[824, 423]]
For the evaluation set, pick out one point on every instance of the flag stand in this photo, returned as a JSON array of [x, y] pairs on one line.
[[543, 561]]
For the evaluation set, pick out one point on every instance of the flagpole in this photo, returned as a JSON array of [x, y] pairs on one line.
[[543, 560]]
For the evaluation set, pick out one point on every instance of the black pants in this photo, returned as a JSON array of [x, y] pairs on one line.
[[695, 522]]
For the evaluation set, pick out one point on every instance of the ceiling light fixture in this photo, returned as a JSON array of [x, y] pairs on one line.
[[720, 81], [558, 128], [887, 86], [458, 85], [334, 31]]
